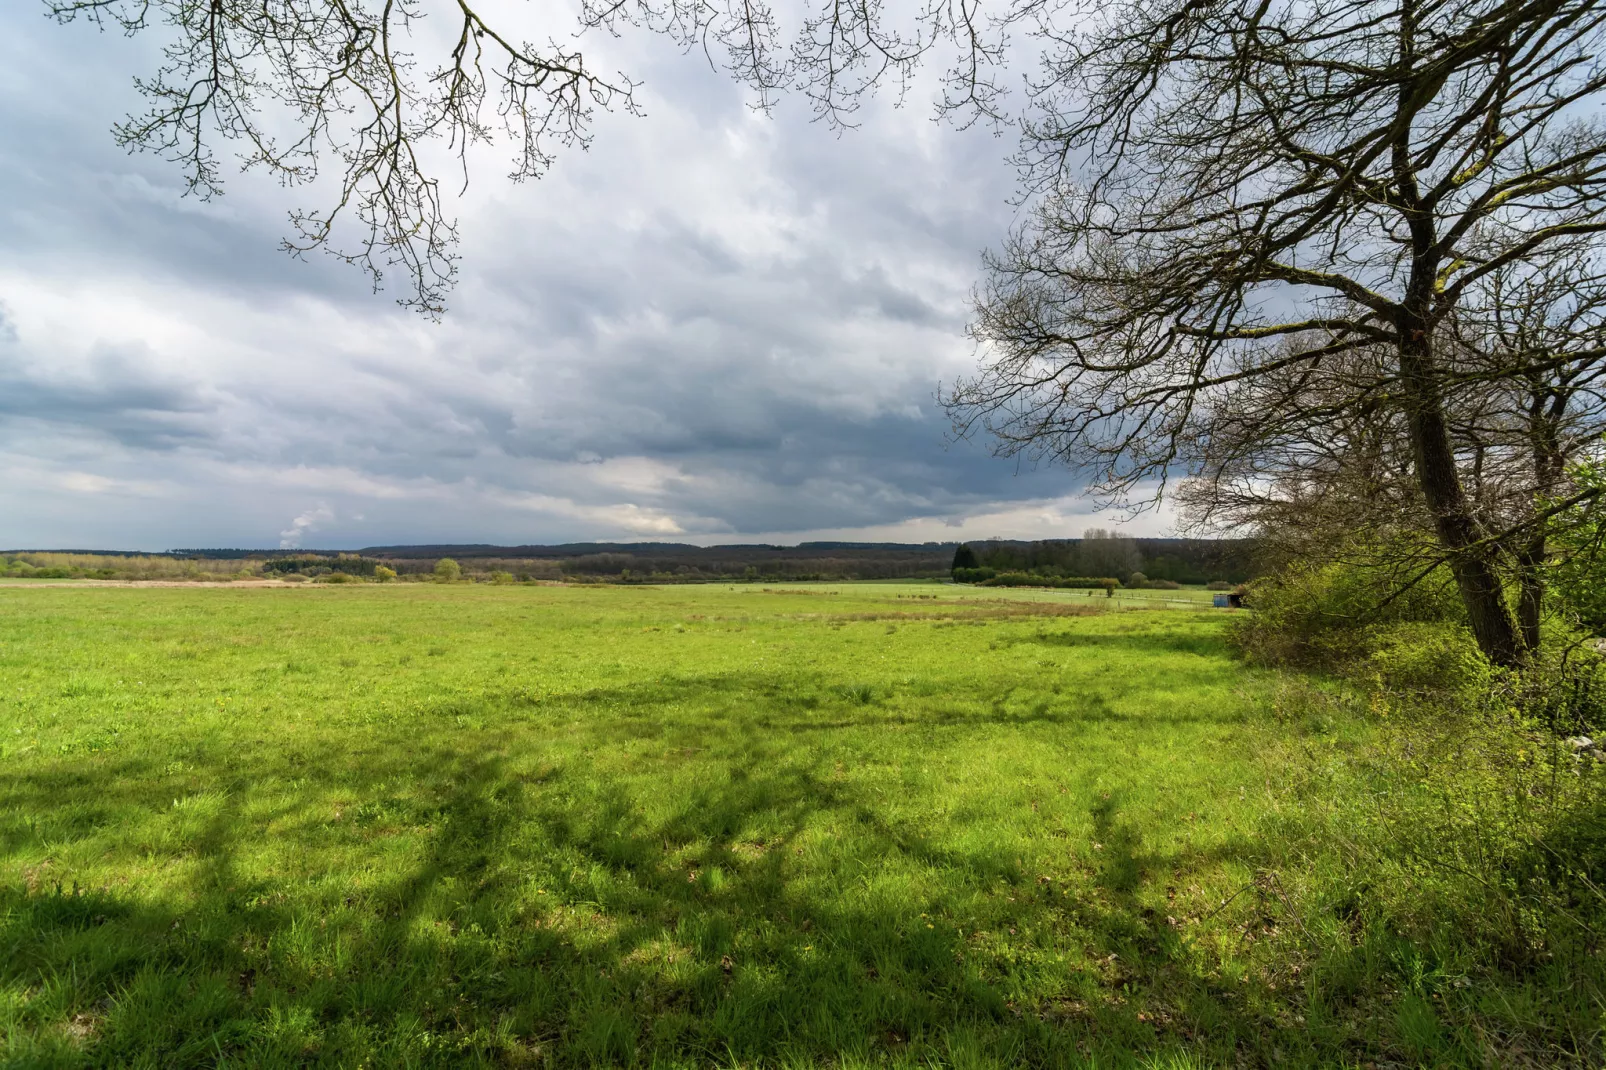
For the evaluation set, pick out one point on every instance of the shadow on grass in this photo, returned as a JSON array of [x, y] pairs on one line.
[[1146, 640], [477, 907], [802, 704]]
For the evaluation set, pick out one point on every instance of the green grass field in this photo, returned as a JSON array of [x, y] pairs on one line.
[[415, 825]]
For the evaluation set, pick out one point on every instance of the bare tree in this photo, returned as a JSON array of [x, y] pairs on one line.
[[342, 77], [1531, 347], [1236, 191], [1317, 459], [1108, 553], [1307, 459], [1320, 471]]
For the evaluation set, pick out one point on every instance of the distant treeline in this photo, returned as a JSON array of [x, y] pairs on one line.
[[649, 562], [1178, 560], [742, 565], [1158, 560], [991, 577]]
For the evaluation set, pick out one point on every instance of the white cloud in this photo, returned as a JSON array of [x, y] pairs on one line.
[[90, 483], [86, 483], [309, 521]]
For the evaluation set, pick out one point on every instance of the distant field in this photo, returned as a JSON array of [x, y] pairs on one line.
[[428, 825]]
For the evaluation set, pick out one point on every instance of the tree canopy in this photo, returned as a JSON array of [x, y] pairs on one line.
[[1292, 215]]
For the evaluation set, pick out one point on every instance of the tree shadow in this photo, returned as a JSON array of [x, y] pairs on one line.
[[804, 703], [504, 911], [1148, 640]]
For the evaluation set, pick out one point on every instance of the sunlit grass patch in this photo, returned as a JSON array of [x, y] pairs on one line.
[[433, 825]]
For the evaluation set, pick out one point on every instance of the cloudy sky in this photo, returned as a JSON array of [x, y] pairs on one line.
[[714, 326]]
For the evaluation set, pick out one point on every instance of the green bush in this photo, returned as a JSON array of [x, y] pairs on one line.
[[24, 569], [384, 574], [1016, 579], [1137, 579], [1578, 578], [448, 571], [1428, 661], [1330, 615], [501, 577]]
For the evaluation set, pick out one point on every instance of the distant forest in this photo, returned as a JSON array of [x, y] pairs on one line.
[[1166, 560], [1178, 560]]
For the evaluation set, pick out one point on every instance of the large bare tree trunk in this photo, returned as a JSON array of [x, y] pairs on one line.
[[1471, 560]]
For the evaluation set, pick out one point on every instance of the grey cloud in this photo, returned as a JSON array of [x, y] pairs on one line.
[[114, 393], [708, 322]]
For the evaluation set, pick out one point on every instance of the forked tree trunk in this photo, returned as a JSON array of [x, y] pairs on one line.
[[1472, 561]]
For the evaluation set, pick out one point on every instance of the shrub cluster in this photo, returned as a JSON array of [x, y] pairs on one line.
[[1138, 581], [1452, 822], [90, 566], [1410, 646], [23, 569], [1332, 615], [987, 577], [318, 565]]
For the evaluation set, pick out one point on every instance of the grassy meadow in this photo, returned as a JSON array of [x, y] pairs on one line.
[[874, 824]]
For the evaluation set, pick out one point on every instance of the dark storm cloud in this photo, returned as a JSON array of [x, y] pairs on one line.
[[711, 324], [114, 393]]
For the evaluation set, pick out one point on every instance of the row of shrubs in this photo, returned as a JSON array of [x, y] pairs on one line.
[[1138, 581], [328, 575], [991, 577], [1031, 579], [46, 565], [24, 570], [984, 576], [313, 565]]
